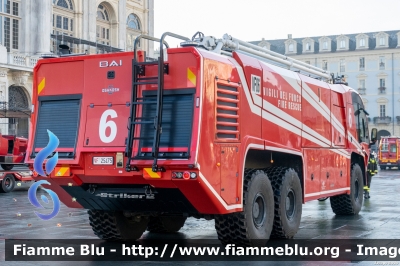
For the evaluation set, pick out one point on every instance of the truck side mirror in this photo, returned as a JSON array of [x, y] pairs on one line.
[[374, 135]]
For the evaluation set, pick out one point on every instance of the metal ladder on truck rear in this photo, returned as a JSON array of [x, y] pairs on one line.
[[138, 73]]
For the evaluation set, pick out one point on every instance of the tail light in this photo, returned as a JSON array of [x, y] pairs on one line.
[[184, 175]]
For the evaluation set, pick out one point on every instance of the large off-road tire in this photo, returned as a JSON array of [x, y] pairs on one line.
[[7, 167], [7, 184], [288, 201], [350, 204], [115, 226], [252, 226], [165, 224]]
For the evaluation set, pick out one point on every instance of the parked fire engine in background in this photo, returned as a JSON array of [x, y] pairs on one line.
[[217, 128], [388, 152], [12, 153]]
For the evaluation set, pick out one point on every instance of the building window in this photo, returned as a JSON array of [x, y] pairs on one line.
[[382, 83], [132, 31], [342, 66], [382, 110], [291, 47], [133, 22], [59, 22], [382, 41], [361, 86], [325, 45], [103, 27], [308, 62], [381, 62], [64, 3], [362, 63], [102, 13], [15, 8], [342, 44], [308, 46], [382, 86], [9, 24], [362, 83], [103, 33], [7, 34], [362, 42], [7, 7], [324, 64], [15, 33], [63, 22]]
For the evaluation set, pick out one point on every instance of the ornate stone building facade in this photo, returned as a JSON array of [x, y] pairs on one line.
[[370, 63], [32, 28]]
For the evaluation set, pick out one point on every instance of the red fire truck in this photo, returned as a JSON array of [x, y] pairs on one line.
[[217, 128], [12, 151], [388, 152]]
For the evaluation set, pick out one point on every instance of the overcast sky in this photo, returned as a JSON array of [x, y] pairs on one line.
[[251, 20]]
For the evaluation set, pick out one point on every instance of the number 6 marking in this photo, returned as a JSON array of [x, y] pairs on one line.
[[104, 124]]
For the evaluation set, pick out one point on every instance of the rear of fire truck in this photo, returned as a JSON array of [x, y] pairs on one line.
[[388, 152], [114, 158]]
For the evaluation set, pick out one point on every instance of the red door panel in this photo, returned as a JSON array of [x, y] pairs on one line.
[[312, 162], [229, 174]]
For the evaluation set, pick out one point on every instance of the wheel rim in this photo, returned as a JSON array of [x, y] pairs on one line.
[[290, 204], [7, 182], [259, 211]]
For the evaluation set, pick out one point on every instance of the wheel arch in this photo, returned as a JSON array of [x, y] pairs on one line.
[[357, 158], [261, 159]]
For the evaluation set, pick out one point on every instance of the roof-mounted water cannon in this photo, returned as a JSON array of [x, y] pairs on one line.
[[339, 79], [199, 40]]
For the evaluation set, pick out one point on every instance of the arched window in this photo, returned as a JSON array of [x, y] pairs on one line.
[[133, 22], [133, 30], [64, 3], [17, 98], [102, 13], [18, 102], [103, 27], [291, 47]]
